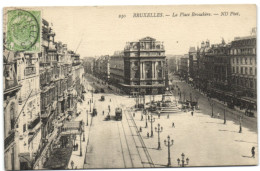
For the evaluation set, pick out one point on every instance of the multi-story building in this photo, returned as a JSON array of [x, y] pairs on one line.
[[184, 67], [228, 71], [220, 86], [88, 63], [193, 66], [244, 71], [144, 66], [102, 67], [29, 121], [11, 133], [205, 65], [40, 91], [48, 82], [173, 63], [117, 68]]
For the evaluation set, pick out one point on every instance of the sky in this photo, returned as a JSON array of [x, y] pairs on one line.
[[101, 31]]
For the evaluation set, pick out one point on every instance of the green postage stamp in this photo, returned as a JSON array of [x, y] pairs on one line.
[[23, 30]]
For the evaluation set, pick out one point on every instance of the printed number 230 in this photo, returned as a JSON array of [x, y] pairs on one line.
[[121, 16]]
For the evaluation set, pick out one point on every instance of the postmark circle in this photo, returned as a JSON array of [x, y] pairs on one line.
[[23, 30]]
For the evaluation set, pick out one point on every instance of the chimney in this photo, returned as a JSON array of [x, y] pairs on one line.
[[202, 44], [207, 43]]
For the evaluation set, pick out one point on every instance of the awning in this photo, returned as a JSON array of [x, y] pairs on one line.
[[249, 99], [72, 125], [217, 90], [142, 86], [25, 157]]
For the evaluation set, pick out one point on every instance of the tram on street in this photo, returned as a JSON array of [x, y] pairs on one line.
[[118, 113]]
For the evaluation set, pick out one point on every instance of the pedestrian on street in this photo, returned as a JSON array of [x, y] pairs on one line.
[[253, 152], [148, 117], [159, 115], [140, 129], [103, 112], [147, 134], [218, 115], [168, 116], [173, 124], [191, 113], [72, 164], [142, 117]]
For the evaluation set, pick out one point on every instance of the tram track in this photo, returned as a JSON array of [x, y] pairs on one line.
[[149, 162]]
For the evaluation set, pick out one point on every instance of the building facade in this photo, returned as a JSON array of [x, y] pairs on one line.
[[11, 133], [193, 66], [29, 108], [117, 68], [228, 71], [243, 62], [184, 67], [173, 63], [144, 66]]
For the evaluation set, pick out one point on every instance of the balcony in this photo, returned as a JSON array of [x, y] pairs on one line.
[[34, 123], [29, 71], [10, 139], [76, 63]]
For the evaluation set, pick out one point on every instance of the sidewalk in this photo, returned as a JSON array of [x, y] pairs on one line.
[[75, 156], [222, 103]]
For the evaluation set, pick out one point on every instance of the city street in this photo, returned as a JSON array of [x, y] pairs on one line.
[[204, 104], [113, 144], [203, 139]]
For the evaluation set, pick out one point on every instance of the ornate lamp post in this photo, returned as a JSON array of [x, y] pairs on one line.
[[87, 118], [158, 130], [146, 123], [151, 121], [168, 144], [182, 164]]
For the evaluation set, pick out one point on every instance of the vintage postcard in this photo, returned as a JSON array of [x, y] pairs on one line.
[[129, 86]]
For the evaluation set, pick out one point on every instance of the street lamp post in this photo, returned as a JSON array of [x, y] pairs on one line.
[[92, 94], [83, 130], [74, 138], [87, 118], [151, 121], [182, 164], [224, 115], [146, 124], [240, 124], [80, 154], [158, 130], [168, 144], [212, 113], [90, 105]]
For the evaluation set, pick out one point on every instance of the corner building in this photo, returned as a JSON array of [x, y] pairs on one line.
[[144, 67]]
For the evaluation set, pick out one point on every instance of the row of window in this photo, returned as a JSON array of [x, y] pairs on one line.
[[243, 60], [244, 70], [244, 82], [244, 51]]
